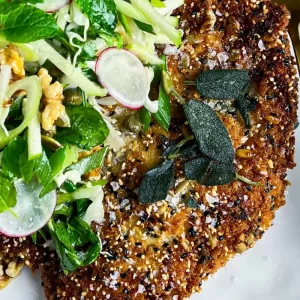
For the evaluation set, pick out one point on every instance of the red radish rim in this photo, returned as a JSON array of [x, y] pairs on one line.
[[57, 5], [15, 236], [105, 86]]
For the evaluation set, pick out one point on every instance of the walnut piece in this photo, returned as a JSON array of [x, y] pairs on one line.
[[10, 56], [53, 96]]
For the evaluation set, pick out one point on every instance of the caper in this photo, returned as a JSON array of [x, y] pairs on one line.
[[133, 124], [73, 96], [52, 69], [31, 68]]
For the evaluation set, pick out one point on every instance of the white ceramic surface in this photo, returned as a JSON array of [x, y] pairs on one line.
[[269, 271]]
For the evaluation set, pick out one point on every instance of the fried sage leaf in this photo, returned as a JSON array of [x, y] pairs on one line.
[[196, 169], [222, 84], [219, 174], [157, 182], [208, 172], [209, 131]]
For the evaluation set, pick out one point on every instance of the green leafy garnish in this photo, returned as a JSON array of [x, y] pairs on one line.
[[144, 26], [8, 194], [209, 173], [222, 84], [192, 203], [157, 182], [88, 129], [101, 13], [90, 162], [163, 116], [145, 118], [75, 243], [22, 23], [210, 133]]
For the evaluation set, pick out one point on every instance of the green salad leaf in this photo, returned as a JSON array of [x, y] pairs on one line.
[[10, 162], [163, 116], [75, 243], [157, 182], [22, 23], [8, 194], [101, 13], [88, 129], [90, 162]]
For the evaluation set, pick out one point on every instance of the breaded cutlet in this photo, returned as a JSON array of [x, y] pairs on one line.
[[165, 250]]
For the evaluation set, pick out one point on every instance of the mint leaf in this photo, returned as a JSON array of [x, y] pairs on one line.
[[10, 158], [22, 23], [75, 243], [88, 129], [163, 116], [101, 13], [210, 133], [8, 194], [222, 84], [157, 182], [90, 163]]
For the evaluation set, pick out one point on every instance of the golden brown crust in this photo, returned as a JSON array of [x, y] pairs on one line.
[[165, 250]]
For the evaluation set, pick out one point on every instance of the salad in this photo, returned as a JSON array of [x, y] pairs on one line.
[[65, 66]]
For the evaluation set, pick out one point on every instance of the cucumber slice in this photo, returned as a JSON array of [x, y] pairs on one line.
[[33, 88], [32, 213]]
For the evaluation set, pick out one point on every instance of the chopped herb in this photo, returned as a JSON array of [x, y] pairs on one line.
[[23, 23], [157, 182], [163, 116], [192, 203], [88, 129], [101, 13]]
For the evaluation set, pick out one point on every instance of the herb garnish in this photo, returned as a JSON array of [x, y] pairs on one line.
[[88, 129], [157, 182], [227, 85], [210, 133], [222, 84], [23, 23], [101, 13]]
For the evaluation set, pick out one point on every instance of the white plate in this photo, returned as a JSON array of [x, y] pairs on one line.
[[269, 271]]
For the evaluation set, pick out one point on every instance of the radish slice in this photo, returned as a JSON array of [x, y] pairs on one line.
[[124, 76], [32, 212], [52, 5], [106, 101]]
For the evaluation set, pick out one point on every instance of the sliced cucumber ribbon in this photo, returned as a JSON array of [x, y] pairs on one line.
[[33, 88], [74, 74]]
